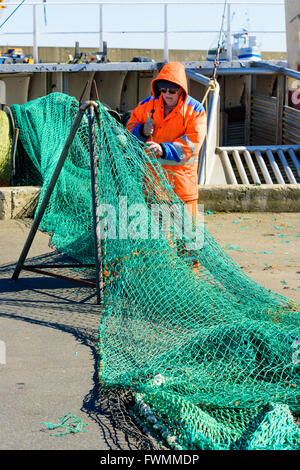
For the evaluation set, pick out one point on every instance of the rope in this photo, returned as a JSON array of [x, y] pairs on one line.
[[17, 7], [216, 61], [75, 425], [45, 13]]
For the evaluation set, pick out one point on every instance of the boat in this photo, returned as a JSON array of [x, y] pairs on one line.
[[250, 108], [245, 47], [212, 51]]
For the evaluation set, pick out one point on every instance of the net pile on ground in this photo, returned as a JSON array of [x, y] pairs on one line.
[[212, 358]]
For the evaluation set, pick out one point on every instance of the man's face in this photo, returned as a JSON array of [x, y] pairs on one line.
[[170, 96]]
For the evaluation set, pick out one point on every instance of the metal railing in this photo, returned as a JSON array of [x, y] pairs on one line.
[[261, 164], [101, 29]]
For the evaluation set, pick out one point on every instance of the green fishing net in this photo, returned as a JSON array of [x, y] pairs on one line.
[[211, 357]]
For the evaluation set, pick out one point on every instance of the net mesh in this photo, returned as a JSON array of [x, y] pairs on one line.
[[210, 356]]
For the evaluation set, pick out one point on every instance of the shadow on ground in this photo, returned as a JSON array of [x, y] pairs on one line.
[[71, 308]]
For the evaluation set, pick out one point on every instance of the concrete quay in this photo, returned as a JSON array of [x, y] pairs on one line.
[[19, 202]]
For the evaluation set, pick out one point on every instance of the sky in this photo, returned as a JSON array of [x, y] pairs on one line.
[[141, 18]]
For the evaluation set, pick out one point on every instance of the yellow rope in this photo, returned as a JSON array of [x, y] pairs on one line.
[[5, 150]]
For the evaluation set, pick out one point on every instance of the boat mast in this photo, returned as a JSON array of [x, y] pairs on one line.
[[228, 38]]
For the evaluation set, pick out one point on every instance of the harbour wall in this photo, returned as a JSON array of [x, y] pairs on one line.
[[61, 54], [21, 202]]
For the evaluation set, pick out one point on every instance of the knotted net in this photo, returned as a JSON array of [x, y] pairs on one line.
[[210, 356]]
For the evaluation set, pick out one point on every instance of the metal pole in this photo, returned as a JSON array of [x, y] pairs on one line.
[[49, 190], [229, 42], [35, 35], [101, 28], [166, 46], [212, 123], [203, 173], [95, 202], [212, 127]]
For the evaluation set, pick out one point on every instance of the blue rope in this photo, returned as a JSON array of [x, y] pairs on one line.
[[5, 21], [45, 13]]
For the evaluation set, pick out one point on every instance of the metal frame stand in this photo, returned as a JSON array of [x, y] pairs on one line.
[[91, 105]]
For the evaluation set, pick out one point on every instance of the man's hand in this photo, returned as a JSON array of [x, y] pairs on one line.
[[148, 128], [156, 148]]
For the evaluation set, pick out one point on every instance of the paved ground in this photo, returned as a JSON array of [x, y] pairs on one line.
[[265, 245], [49, 327]]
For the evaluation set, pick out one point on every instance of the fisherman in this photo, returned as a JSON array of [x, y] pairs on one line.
[[173, 124]]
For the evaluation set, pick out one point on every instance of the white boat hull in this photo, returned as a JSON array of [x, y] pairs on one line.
[[248, 53]]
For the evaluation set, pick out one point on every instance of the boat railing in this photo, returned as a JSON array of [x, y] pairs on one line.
[[101, 31], [272, 122]]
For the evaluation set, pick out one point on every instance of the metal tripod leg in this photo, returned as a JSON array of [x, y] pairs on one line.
[[50, 187]]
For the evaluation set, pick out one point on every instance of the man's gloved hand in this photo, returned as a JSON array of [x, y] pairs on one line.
[[148, 128]]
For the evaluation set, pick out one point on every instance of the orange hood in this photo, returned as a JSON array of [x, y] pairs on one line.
[[173, 72]]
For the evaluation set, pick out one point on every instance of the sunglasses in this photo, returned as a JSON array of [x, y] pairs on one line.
[[170, 91]]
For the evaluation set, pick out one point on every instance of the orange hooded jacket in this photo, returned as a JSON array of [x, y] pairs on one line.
[[180, 133]]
